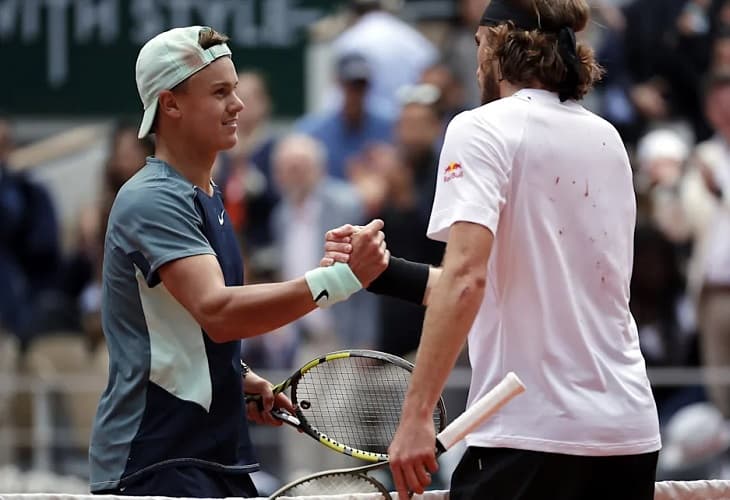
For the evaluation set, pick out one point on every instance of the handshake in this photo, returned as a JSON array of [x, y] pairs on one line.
[[357, 257], [362, 247]]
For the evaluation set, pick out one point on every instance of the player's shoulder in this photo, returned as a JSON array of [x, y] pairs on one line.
[[503, 120], [462, 121], [155, 187], [603, 126], [506, 111]]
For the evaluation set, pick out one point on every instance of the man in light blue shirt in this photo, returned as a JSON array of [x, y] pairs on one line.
[[346, 131], [396, 51]]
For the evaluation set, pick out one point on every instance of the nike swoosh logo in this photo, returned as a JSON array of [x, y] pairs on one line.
[[324, 293], [220, 217]]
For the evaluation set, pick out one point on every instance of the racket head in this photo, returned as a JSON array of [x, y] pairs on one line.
[[351, 401], [335, 482]]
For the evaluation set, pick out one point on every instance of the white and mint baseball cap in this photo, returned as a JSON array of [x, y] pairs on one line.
[[167, 60]]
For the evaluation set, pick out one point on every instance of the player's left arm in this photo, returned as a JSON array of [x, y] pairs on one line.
[[454, 303]]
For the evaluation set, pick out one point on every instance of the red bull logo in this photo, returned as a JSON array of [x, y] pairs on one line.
[[453, 171]]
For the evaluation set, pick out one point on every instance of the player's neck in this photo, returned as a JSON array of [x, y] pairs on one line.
[[194, 165], [507, 89]]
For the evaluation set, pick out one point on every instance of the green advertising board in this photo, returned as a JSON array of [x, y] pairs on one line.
[[76, 57]]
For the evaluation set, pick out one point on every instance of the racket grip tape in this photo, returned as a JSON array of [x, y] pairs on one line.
[[250, 398], [486, 406]]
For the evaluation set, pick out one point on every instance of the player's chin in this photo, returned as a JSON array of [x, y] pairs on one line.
[[227, 141]]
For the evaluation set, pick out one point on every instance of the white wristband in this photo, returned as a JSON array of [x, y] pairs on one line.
[[333, 284]]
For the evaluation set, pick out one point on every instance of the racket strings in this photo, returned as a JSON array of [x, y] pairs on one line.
[[334, 484], [356, 401]]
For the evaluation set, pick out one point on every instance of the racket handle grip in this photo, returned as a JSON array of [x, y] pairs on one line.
[[285, 417], [276, 412], [254, 398], [509, 387]]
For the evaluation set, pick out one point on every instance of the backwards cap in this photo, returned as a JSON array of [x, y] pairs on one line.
[[166, 61]]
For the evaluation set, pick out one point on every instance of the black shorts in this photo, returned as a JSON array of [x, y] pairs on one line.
[[187, 481], [509, 474]]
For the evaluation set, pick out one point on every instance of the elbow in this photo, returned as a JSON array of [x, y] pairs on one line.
[[218, 335], [216, 331], [470, 284], [212, 318], [472, 289], [220, 332]]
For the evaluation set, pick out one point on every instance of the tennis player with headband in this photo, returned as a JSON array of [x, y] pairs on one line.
[[172, 420], [534, 198]]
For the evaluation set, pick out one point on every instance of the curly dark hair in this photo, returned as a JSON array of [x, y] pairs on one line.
[[528, 56]]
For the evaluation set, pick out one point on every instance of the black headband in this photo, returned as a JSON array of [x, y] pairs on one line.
[[502, 11]]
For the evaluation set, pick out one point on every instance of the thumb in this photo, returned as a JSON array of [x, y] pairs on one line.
[[374, 226], [284, 402]]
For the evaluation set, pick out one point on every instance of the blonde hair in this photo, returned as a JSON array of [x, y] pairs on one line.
[[208, 37]]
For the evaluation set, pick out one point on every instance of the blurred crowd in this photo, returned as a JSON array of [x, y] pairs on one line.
[[373, 152]]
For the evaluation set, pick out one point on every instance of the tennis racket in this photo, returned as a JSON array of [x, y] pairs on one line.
[[321, 482], [334, 482], [350, 401]]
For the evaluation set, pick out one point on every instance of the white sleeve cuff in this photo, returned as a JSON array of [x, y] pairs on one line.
[[441, 222]]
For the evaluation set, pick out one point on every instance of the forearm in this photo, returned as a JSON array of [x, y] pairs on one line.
[[235, 312], [246, 311], [434, 274], [406, 280], [455, 300]]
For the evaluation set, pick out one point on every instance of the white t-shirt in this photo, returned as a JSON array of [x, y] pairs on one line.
[[552, 182]]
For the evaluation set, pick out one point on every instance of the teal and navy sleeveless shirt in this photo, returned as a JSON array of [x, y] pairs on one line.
[[174, 397]]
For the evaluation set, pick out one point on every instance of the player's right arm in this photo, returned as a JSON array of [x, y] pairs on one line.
[[434, 274], [234, 312]]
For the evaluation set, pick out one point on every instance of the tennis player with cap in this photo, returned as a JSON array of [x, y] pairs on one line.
[[534, 198], [172, 420]]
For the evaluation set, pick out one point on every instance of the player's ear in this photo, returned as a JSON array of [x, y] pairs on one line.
[[168, 104]]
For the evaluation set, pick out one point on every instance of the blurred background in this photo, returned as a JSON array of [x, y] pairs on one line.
[[346, 105]]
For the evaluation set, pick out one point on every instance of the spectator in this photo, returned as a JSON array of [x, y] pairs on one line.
[[451, 100], [82, 274], [348, 130], [663, 312], [705, 193], [661, 157], [29, 251], [373, 171], [411, 178], [654, 66], [311, 203], [458, 49], [721, 50], [397, 53], [663, 315], [244, 173]]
